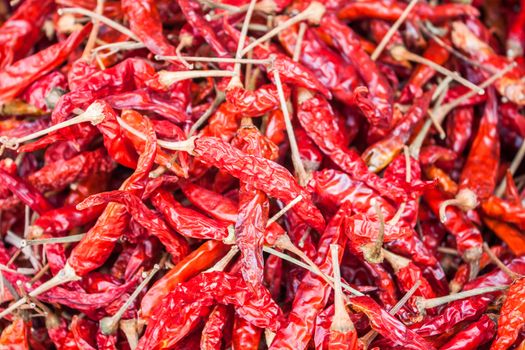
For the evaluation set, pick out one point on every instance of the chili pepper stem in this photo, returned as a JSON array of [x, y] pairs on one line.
[[397, 216], [95, 16], [99, 10], [424, 304], [369, 337], [499, 263], [93, 114], [313, 13], [225, 261], [215, 59], [168, 78], [115, 47], [400, 53], [465, 200], [284, 210], [518, 158], [443, 110], [219, 98], [129, 328], [67, 239], [396, 261], [67, 274], [379, 49], [109, 325], [242, 38], [341, 321], [299, 42], [296, 158]]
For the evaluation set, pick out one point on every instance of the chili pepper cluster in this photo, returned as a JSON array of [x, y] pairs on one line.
[[280, 174]]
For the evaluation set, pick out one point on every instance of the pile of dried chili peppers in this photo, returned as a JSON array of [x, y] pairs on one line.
[[272, 174]]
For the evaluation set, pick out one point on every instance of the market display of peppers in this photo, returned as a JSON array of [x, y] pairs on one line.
[[272, 174]]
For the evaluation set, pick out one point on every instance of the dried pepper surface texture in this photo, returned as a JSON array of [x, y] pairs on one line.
[[242, 174]]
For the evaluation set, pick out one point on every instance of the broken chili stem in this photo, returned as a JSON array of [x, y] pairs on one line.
[[93, 114], [109, 325], [423, 304], [39, 241], [313, 14], [341, 321], [284, 210], [129, 328], [168, 78], [67, 274], [518, 158], [95, 16], [219, 98], [299, 263], [499, 263], [369, 337], [296, 158], [400, 53], [379, 49], [215, 59]]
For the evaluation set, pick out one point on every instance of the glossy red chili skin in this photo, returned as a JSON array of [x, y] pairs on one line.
[[26, 193], [245, 335], [511, 316]]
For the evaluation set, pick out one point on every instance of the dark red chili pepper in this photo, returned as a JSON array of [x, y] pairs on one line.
[[245, 335], [473, 336], [25, 192]]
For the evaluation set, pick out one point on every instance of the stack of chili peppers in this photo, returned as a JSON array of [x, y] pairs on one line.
[[236, 174]]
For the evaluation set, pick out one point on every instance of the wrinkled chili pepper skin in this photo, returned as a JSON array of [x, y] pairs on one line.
[[248, 168], [15, 336], [256, 306], [481, 167], [24, 191], [504, 210], [212, 333], [381, 93], [198, 260], [255, 103], [97, 244], [511, 318], [473, 336], [16, 77]]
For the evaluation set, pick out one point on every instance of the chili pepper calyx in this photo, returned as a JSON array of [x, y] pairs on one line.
[[466, 200]]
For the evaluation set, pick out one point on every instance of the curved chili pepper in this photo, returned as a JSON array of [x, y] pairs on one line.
[[198, 260], [245, 335], [255, 103], [198, 295], [511, 318], [259, 171], [391, 11], [25, 192], [381, 153], [97, 244], [16, 77], [473, 336], [21, 31], [212, 333], [507, 233], [381, 93]]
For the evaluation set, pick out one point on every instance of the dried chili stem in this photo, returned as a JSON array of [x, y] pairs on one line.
[[499, 263], [299, 42], [242, 38], [400, 53], [443, 110], [109, 325], [373, 251], [313, 13], [518, 158], [93, 114], [296, 158], [341, 321], [369, 337], [397, 216], [284, 210], [299, 263], [129, 328], [39, 241], [67, 274], [225, 261], [219, 98], [379, 49], [168, 78], [466, 200], [449, 251], [216, 59], [95, 16], [115, 47], [99, 10], [434, 302]]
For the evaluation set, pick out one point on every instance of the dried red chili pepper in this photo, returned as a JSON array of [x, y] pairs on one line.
[[511, 318], [473, 336], [15, 336]]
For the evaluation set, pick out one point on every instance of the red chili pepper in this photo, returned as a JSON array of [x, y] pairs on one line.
[[245, 335], [212, 333], [507, 233], [511, 318], [255, 103], [381, 93], [25, 192], [249, 168], [15, 336], [16, 77], [473, 336]]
